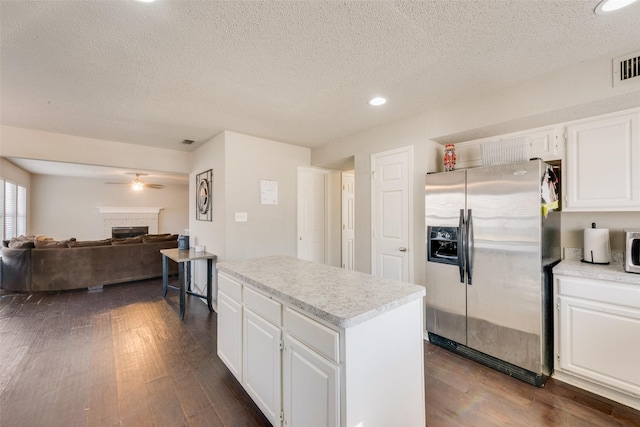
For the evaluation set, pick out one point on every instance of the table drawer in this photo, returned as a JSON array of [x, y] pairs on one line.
[[230, 287], [313, 334], [263, 305]]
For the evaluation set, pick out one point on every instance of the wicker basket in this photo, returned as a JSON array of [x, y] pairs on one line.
[[506, 151]]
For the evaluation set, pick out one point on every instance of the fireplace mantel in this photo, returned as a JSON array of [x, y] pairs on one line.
[[108, 210]]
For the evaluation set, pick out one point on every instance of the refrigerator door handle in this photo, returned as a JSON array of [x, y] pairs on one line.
[[461, 245], [469, 248]]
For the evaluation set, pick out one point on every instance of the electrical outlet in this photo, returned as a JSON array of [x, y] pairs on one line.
[[241, 217]]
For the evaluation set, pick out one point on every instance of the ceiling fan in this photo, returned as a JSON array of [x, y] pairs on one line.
[[137, 184]]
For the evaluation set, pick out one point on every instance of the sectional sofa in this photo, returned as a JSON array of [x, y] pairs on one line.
[[32, 265]]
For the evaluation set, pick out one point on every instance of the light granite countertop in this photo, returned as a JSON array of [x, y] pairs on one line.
[[614, 271], [341, 297]]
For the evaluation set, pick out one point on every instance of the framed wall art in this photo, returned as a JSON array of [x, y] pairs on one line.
[[204, 196]]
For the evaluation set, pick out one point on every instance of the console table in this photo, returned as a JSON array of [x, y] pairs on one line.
[[184, 257]]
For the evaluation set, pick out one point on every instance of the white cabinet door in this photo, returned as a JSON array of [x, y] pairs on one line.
[[310, 388], [599, 341], [262, 364], [603, 164], [230, 333], [546, 143]]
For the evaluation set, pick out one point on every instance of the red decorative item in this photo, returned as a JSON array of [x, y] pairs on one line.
[[449, 157]]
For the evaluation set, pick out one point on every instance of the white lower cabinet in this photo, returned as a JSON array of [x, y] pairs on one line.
[[597, 334], [230, 337], [310, 389], [305, 372], [262, 364], [230, 315]]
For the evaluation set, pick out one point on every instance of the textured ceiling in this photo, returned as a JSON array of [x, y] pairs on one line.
[[298, 72]]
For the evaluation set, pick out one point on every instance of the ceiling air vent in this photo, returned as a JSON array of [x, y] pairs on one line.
[[626, 69], [187, 141]]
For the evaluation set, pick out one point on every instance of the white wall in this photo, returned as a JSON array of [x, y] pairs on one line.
[[583, 90], [239, 162], [33, 144], [65, 207], [14, 173], [211, 234], [408, 132], [271, 229]]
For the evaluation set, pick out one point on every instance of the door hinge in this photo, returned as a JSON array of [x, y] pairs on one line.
[[281, 345], [281, 416], [558, 306], [558, 357]]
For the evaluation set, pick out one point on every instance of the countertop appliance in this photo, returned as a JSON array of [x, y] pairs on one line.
[[490, 251], [632, 251]]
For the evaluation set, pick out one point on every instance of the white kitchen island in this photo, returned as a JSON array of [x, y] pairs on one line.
[[315, 345]]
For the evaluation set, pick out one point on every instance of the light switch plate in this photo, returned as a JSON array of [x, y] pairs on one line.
[[241, 217]]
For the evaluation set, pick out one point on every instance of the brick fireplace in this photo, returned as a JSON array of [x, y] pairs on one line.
[[128, 217]]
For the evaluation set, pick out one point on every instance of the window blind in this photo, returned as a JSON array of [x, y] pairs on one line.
[[21, 211], [10, 207], [2, 209]]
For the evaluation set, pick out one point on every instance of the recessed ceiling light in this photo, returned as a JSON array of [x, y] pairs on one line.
[[147, 1], [608, 6], [377, 101]]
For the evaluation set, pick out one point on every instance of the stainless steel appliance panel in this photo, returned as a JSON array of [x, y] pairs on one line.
[[446, 292], [496, 301], [504, 300]]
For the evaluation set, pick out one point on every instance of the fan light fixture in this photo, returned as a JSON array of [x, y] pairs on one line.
[[608, 6], [137, 185], [377, 101]]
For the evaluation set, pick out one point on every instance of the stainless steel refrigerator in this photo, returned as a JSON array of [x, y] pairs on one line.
[[490, 249]]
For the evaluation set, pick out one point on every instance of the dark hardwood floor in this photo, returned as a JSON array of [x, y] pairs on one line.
[[122, 357]]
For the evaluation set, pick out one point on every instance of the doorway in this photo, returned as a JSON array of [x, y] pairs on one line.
[[312, 214], [348, 220], [391, 214]]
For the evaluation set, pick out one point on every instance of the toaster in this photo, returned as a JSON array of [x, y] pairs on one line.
[[632, 251]]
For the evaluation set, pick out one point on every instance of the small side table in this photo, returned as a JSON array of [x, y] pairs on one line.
[[182, 257]]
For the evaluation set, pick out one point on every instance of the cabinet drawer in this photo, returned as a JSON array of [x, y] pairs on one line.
[[230, 287], [312, 333], [263, 305]]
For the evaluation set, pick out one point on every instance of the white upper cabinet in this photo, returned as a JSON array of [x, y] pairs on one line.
[[602, 167], [546, 143]]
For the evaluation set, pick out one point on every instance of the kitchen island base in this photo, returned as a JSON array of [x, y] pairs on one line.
[[304, 370]]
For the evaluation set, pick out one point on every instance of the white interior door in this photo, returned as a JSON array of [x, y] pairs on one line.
[[391, 214], [348, 219], [312, 196]]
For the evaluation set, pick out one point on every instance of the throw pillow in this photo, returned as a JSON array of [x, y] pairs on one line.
[[49, 244], [21, 244], [127, 240], [152, 238], [88, 243]]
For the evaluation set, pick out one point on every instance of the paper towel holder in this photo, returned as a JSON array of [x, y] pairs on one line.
[[590, 250]]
